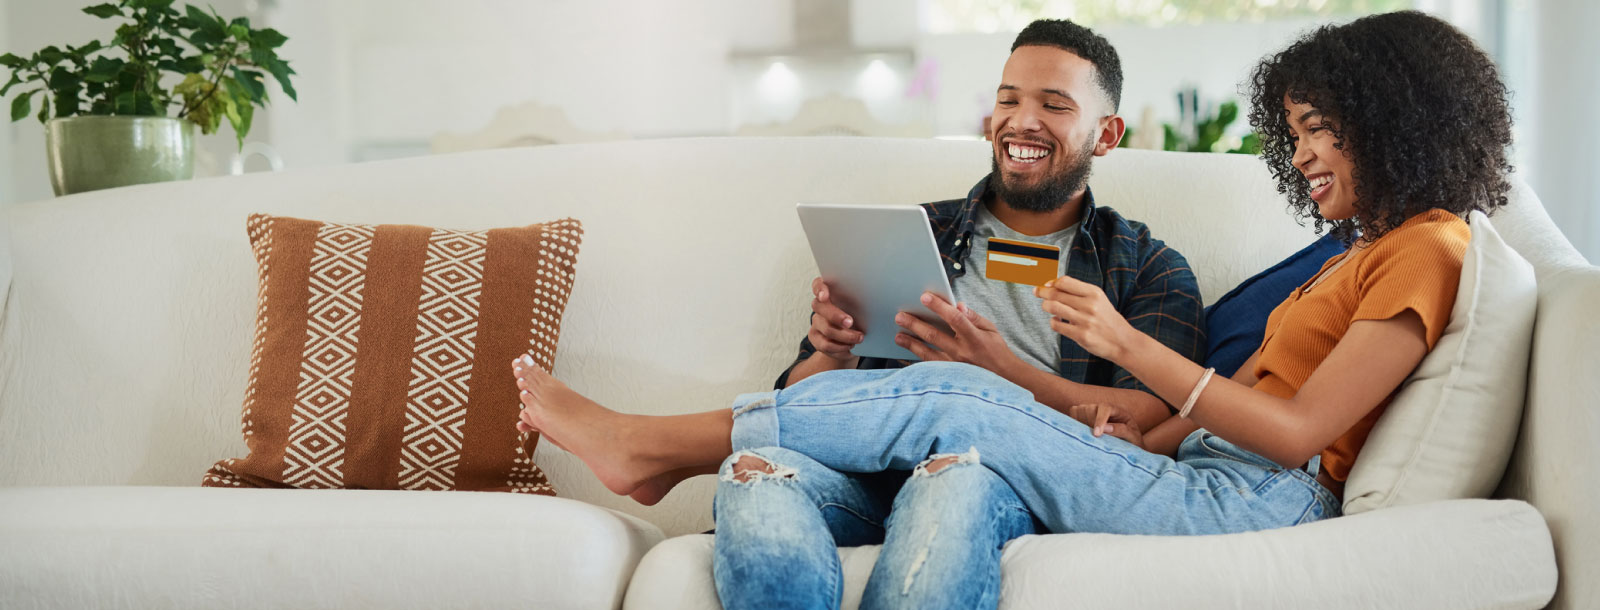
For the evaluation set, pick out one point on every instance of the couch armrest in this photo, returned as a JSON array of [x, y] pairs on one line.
[[1554, 466]]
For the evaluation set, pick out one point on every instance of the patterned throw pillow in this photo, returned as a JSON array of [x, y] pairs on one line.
[[382, 354]]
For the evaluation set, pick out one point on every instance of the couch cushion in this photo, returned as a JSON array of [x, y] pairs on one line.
[[382, 354], [1450, 430], [173, 547], [1456, 554]]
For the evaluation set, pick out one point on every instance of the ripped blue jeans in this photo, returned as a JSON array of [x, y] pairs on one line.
[[942, 529], [878, 420]]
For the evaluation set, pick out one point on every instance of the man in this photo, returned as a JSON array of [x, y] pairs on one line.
[[780, 515]]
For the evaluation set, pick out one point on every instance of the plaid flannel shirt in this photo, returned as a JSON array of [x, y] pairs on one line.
[[1149, 283]]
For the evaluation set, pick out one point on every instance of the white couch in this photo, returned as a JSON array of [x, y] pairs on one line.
[[127, 324]]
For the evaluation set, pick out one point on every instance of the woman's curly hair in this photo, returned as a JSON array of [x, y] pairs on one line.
[[1418, 108]]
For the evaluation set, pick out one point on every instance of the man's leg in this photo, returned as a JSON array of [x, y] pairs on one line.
[[945, 535], [781, 517]]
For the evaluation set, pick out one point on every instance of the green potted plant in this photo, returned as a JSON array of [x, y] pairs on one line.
[[108, 108]]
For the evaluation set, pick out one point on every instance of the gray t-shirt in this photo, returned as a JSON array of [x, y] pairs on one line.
[[1012, 307]]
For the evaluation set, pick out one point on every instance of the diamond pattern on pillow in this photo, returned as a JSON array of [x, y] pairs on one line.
[[381, 354]]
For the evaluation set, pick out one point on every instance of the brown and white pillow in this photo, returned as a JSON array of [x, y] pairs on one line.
[[382, 354]]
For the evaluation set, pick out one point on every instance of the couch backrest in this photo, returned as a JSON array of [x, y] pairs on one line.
[[128, 315]]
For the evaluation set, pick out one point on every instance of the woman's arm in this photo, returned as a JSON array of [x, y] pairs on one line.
[[977, 341], [1060, 394], [1372, 359]]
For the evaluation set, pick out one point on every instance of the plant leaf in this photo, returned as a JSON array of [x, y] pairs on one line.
[[205, 39], [144, 104], [262, 56], [82, 53], [245, 109], [191, 85], [281, 71], [167, 46], [51, 55], [268, 38], [251, 83], [12, 61], [215, 109], [195, 14], [67, 103], [191, 64], [125, 103], [22, 106], [62, 78], [1227, 113], [104, 11], [16, 79]]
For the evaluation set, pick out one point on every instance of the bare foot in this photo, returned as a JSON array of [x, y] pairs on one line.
[[523, 426], [655, 488], [601, 437]]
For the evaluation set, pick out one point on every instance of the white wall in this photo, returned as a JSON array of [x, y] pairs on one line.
[[1155, 63], [379, 78], [6, 179], [1563, 157], [32, 25], [380, 73]]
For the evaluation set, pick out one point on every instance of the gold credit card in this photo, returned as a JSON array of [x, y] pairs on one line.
[[1022, 262]]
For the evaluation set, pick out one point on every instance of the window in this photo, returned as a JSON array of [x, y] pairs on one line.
[[987, 16]]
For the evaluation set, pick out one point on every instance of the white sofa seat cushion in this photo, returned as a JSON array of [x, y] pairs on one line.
[[173, 547], [1453, 554]]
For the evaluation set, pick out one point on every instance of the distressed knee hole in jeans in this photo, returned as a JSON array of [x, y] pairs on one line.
[[750, 468], [937, 462]]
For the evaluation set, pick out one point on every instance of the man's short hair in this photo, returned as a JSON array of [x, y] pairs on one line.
[[1083, 42]]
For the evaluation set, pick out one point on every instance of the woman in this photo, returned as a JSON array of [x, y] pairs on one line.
[[1389, 129]]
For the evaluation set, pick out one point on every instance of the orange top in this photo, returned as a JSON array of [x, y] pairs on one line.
[[1416, 266]]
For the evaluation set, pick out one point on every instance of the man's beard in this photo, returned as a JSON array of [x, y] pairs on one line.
[[1054, 191]]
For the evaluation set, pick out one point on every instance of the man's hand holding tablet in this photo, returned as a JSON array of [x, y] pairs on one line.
[[973, 339], [876, 261], [831, 331]]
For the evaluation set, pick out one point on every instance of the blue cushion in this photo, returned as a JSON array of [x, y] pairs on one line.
[[1236, 322]]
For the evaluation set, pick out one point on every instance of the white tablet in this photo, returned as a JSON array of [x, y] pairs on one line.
[[877, 261]]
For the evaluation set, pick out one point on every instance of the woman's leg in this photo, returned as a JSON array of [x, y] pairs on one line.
[[862, 421], [870, 421], [781, 517], [630, 454], [949, 524]]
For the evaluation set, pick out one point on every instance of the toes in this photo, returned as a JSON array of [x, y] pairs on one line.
[[532, 371], [522, 365], [527, 400]]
